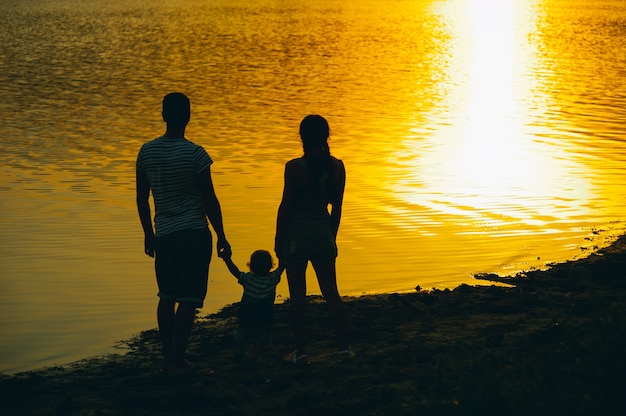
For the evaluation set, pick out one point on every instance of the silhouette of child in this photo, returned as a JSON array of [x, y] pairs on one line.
[[256, 310]]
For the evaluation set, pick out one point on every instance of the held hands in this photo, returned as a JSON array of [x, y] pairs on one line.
[[223, 249]]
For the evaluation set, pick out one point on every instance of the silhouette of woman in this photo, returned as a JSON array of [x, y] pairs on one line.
[[307, 231]]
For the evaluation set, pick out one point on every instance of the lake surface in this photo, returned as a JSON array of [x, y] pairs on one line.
[[478, 136]]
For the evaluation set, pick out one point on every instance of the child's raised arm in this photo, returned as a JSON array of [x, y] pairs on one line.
[[281, 267], [232, 268]]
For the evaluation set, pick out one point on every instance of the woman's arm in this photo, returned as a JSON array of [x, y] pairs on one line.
[[337, 201], [291, 178]]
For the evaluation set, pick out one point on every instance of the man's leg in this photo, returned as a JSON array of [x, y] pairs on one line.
[[193, 255], [165, 319], [183, 323]]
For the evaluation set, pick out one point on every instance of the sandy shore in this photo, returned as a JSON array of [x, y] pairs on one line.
[[551, 345]]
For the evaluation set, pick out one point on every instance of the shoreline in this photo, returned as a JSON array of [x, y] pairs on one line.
[[551, 343]]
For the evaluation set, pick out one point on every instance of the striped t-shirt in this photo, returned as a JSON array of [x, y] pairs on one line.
[[256, 288], [171, 166]]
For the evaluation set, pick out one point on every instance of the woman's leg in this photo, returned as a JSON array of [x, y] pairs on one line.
[[327, 278], [296, 278]]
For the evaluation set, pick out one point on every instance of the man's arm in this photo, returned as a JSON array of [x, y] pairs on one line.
[[143, 207], [213, 211]]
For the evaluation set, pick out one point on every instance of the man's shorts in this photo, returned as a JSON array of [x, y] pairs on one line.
[[182, 265], [311, 240]]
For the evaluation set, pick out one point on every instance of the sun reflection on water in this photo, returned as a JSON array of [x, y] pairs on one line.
[[486, 164]]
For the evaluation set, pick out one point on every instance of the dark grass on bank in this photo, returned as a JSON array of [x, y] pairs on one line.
[[551, 345]]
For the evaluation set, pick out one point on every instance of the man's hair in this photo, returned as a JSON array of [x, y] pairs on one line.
[[176, 109]]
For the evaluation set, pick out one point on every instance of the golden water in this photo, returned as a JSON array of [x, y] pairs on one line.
[[478, 136]]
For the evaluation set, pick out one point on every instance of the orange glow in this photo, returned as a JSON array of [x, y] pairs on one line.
[[486, 158]]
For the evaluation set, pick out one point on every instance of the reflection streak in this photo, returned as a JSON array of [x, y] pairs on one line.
[[483, 163]]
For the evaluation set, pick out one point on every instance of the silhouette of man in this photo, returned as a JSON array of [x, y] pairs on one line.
[[178, 174]]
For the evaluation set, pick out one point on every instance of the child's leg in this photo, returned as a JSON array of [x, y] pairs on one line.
[[257, 350], [240, 336], [263, 339]]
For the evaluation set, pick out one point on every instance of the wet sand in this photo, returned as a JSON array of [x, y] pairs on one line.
[[551, 344]]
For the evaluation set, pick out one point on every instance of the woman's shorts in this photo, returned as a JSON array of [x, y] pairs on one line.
[[310, 240], [182, 265]]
